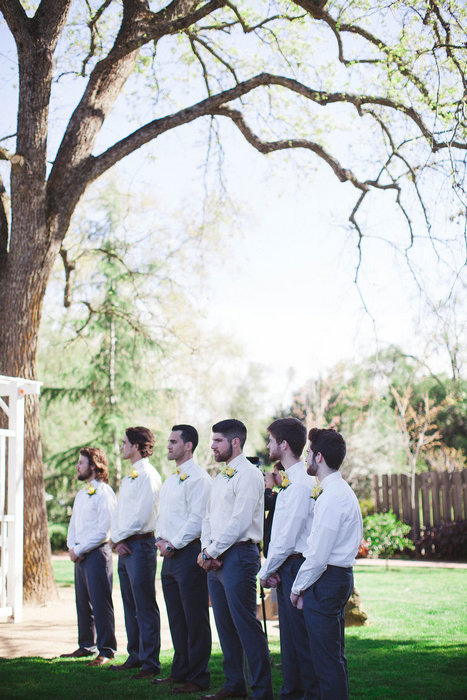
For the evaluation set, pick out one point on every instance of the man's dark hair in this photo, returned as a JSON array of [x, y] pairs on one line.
[[279, 466], [231, 428], [188, 434], [330, 443], [292, 431], [143, 438], [97, 459]]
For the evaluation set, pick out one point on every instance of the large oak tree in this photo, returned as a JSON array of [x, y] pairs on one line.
[[286, 74]]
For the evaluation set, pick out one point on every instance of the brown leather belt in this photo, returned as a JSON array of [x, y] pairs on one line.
[[144, 536]]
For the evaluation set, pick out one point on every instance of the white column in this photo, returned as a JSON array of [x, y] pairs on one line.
[[15, 502]]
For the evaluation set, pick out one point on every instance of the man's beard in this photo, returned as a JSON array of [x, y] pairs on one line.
[[224, 456], [312, 469], [83, 477]]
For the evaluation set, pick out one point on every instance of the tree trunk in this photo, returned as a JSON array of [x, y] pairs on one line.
[[22, 287]]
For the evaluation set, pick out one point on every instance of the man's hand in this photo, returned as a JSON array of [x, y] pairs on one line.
[[162, 547], [208, 564], [74, 557], [271, 581], [297, 600], [122, 549]]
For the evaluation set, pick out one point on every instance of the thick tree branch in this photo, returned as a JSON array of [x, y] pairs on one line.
[[16, 18], [95, 166]]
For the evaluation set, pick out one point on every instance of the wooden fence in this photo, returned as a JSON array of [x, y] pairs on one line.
[[440, 497]]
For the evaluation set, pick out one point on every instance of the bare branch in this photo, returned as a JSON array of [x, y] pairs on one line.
[[68, 266], [92, 24]]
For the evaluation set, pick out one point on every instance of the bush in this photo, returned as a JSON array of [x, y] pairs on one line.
[[57, 536], [447, 541], [385, 535], [367, 507]]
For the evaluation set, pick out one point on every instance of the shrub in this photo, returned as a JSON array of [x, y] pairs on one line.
[[385, 534], [367, 507], [446, 541], [57, 536]]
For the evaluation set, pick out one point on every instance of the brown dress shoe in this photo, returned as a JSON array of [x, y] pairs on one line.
[[99, 661], [143, 674], [77, 654], [126, 666], [169, 679], [187, 687], [223, 694]]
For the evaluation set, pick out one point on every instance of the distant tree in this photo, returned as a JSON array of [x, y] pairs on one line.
[[395, 73]]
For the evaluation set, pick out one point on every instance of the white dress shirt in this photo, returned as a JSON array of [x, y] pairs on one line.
[[235, 510], [90, 519], [138, 502], [183, 504], [293, 517], [336, 533]]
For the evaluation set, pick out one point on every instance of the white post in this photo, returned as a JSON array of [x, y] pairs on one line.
[[15, 503]]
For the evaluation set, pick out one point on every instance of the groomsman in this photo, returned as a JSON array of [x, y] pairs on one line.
[[132, 537], [231, 533], [291, 526], [87, 541], [183, 502], [325, 580]]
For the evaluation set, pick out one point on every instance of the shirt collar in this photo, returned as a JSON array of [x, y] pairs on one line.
[[330, 479], [140, 464], [186, 466], [294, 471], [238, 461]]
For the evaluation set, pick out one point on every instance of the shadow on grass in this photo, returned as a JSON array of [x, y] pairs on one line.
[[395, 669], [378, 669]]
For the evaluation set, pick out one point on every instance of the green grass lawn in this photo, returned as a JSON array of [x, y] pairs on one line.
[[413, 648]]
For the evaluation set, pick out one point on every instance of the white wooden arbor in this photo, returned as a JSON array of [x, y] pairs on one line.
[[12, 393]]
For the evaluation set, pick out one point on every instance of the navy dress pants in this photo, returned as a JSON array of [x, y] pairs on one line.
[[324, 611], [233, 596], [94, 607], [298, 676], [137, 573], [186, 597]]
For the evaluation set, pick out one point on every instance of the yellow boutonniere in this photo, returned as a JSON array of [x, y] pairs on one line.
[[285, 483], [228, 472], [134, 474], [183, 477], [317, 491], [177, 471], [91, 491]]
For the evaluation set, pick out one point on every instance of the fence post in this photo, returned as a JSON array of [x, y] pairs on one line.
[[405, 494], [385, 498], [445, 497], [435, 499], [425, 479], [395, 495], [456, 495]]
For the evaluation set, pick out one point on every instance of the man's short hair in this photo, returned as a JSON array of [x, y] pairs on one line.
[[330, 443], [231, 428], [97, 459], [188, 434], [143, 438], [292, 431]]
